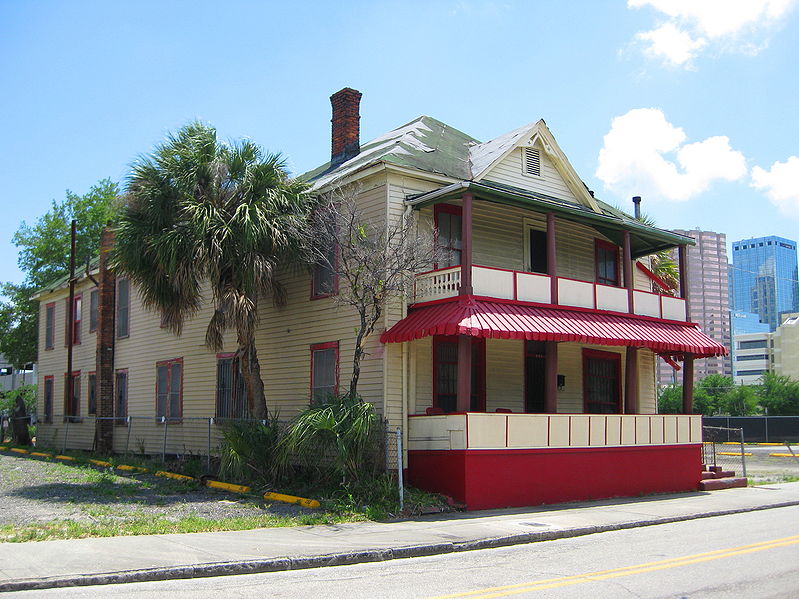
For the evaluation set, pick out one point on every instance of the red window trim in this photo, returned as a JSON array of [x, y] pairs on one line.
[[481, 378], [127, 395], [48, 418], [168, 364], [52, 337], [320, 346], [602, 355], [116, 308], [76, 322], [615, 249], [91, 292]]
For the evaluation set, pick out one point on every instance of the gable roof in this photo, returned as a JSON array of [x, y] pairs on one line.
[[424, 143]]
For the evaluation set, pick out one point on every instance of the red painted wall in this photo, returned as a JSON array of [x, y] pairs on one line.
[[484, 479]]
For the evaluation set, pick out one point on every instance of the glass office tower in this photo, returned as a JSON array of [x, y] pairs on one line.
[[764, 277]]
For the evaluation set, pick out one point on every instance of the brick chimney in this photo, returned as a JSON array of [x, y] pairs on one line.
[[346, 127], [104, 429]]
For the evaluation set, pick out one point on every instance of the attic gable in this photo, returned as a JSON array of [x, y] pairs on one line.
[[507, 153]]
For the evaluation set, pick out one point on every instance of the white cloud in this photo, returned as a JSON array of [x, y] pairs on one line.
[[644, 154], [781, 184], [693, 25]]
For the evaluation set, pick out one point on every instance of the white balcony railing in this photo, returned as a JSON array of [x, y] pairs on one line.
[[532, 287], [529, 431]]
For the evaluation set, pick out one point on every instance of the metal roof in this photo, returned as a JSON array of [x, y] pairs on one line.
[[499, 320]]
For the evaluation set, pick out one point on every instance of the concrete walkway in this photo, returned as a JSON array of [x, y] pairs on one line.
[[45, 564]]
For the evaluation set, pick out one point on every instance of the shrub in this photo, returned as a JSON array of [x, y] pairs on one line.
[[250, 450]]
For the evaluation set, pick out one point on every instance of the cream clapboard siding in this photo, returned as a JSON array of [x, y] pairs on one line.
[[509, 171], [505, 375]]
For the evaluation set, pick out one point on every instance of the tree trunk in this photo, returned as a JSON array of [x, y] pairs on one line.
[[251, 371], [19, 423], [366, 329]]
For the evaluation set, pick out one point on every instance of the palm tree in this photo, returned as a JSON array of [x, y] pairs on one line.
[[203, 213]]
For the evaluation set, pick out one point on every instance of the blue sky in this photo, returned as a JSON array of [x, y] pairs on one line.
[[690, 103]]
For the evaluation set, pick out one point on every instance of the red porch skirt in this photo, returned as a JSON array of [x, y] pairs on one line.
[[487, 478]]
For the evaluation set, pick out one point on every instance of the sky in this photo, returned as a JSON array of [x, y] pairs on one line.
[[691, 104]]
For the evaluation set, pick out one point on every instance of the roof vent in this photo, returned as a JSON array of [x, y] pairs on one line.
[[532, 162]]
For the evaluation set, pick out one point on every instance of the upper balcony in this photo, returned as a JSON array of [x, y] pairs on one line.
[[521, 286]]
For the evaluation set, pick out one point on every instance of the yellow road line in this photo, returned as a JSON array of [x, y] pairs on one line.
[[515, 589], [782, 455], [733, 453]]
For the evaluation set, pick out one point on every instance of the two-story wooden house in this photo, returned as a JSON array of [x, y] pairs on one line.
[[521, 371]]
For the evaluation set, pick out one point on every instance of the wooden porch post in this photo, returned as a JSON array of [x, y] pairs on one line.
[[464, 398], [629, 282], [552, 259], [631, 381], [688, 384], [466, 241], [684, 279], [551, 377]]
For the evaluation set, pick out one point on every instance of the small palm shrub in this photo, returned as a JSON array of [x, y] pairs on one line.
[[250, 450]]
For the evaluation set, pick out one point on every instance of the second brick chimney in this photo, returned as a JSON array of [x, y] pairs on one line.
[[346, 126]]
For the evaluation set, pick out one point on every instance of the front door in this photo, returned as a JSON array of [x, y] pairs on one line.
[[534, 377]]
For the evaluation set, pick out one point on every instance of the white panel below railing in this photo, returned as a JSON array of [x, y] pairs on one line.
[[611, 298], [529, 431], [673, 308], [492, 282], [533, 288], [646, 304], [575, 293]]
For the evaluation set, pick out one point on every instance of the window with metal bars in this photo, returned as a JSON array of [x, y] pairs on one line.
[[231, 396]]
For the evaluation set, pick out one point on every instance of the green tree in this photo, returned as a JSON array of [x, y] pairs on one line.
[[779, 395], [670, 400], [44, 258], [741, 400], [201, 213], [710, 393]]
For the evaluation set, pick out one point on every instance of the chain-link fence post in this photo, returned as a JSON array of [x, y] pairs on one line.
[[166, 428], [210, 423], [743, 453], [129, 423], [66, 434], [399, 470]]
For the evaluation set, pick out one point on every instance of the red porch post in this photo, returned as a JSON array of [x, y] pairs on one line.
[[684, 279], [629, 282], [464, 398], [552, 259], [688, 384], [631, 381]]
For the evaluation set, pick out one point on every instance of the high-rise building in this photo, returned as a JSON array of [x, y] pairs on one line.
[[764, 278], [708, 302]]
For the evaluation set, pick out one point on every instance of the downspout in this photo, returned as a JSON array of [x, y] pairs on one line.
[[405, 374], [68, 396]]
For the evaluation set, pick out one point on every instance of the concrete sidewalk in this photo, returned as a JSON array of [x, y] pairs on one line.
[[38, 565]]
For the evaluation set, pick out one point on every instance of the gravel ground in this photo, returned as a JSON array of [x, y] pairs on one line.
[[35, 491]]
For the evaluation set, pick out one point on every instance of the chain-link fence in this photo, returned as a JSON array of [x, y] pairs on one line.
[[724, 447]]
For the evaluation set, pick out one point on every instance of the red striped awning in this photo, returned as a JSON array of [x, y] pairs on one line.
[[498, 320]]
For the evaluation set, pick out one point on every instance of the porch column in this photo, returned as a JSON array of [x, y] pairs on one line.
[[629, 283], [684, 279], [688, 384], [552, 259], [464, 398], [466, 241], [631, 381], [551, 377]]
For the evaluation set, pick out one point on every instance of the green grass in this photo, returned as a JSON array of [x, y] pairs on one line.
[[104, 524]]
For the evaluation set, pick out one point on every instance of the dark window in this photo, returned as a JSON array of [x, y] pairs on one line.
[[231, 396], [123, 308], [601, 382], [49, 326], [72, 400], [324, 370], [751, 372], [538, 251], [607, 263], [324, 280], [94, 299], [169, 389], [48, 399], [445, 374], [449, 239], [121, 395], [534, 377], [92, 394], [757, 344], [751, 358]]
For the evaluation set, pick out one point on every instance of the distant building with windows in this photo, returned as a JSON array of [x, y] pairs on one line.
[[764, 278], [708, 302], [760, 352]]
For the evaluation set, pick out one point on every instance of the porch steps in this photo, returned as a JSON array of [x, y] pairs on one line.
[[713, 478]]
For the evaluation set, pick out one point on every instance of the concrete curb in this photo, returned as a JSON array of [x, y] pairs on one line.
[[282, 564]]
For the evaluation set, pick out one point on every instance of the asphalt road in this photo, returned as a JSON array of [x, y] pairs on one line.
[[740, 556]]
